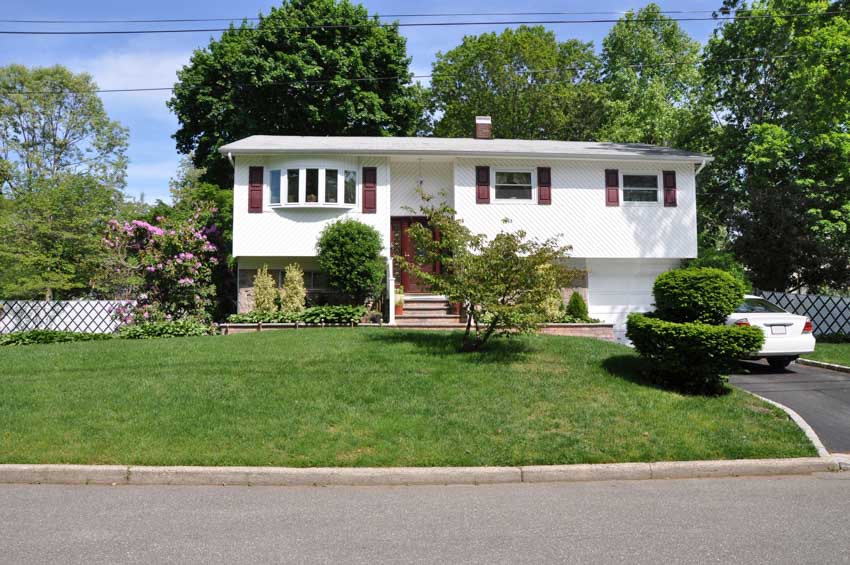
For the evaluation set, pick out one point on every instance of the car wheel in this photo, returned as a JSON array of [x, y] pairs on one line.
[[779, 362]]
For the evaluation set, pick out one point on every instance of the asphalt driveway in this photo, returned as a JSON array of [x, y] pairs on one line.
[[820, 396]]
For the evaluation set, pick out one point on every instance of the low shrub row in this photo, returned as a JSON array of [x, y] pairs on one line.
[[692, 357], [147, 330], [153, 330], [315, 315], [31, 337], [834, 338]]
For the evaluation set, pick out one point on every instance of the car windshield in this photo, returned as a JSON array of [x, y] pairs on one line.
[[757, 306]]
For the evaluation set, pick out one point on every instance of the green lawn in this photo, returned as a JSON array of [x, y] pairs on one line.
[[361, 397], [838, 353]]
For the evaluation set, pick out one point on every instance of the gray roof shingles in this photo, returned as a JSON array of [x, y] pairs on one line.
[[456, 147]]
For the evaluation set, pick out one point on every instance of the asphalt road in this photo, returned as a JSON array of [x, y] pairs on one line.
[[765, 520], [820, 396]]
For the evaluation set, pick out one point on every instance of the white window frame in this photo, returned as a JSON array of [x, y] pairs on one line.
[[659, 200], [302, 187], [523, 202]]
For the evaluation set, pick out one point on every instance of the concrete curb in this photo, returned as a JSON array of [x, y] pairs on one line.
[[823, 365], [801, 423], [397, 476]]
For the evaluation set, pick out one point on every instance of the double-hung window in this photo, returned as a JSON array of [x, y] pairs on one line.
[[331, 186], [274, 186], [640, 188], [350, 187], [513, 185], [292, 176]]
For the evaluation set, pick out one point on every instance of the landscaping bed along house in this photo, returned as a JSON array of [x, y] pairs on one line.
[[365, 397]]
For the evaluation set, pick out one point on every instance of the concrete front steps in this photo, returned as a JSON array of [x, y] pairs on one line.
[[429, 311]]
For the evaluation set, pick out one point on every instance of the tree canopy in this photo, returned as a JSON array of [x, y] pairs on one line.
[[286, 76], [52, 123], [535, 86], [780, 88], [650, 69]]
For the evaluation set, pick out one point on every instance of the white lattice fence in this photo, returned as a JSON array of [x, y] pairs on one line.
[[829, 314], [85, 316]]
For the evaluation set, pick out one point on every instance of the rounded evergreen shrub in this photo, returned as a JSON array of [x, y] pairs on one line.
[[350, 255], [691, 357], [700, 294]]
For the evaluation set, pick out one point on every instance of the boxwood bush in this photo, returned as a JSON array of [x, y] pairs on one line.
[[697, 295], [153, 330], [31, 337], [691, 357]]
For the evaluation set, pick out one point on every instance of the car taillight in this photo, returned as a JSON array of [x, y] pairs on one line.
[[742, 322], [808, 327]]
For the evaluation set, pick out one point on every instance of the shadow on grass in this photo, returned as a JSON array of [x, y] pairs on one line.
[[496, 350], [637, 370]]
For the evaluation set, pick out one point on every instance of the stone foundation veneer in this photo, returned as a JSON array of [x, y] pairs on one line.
[[599, 331]]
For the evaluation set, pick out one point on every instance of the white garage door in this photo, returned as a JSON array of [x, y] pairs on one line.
[[617, 287]]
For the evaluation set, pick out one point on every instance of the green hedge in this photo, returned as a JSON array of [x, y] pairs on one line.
[[702, 294], [32, 337], [315, 315], [691, 357], [834, 338], [154, 330]]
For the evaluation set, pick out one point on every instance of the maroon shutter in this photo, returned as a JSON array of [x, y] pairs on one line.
[[544, 185], [612, 187], [370, 190], [669, 188], [482, 185], [255, 189]]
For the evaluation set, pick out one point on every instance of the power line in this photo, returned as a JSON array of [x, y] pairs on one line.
[[410, 15], [432, 24], [576, 68]]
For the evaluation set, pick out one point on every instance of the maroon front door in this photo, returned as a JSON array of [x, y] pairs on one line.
[[404, 246]]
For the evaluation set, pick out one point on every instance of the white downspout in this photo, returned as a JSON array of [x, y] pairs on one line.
[[390, 291], [701, 166]]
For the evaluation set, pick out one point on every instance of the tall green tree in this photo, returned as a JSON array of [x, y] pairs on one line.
[[652, 78], [781, 182], [52, 123], [51, 237], [62, 169], [534, 86], [285, 75]]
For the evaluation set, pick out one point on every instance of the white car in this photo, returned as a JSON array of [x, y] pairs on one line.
[[786, 335]]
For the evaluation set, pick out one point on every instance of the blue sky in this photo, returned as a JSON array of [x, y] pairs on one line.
[[152, 60]]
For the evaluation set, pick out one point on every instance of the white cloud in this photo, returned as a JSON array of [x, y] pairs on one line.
[[135, 69]]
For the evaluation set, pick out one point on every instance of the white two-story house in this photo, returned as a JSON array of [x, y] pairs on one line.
[[628, 211]]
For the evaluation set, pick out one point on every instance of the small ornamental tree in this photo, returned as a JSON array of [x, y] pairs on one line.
[[293, 295], [350, 255], [504, 283], [171, 264], [265, 291]]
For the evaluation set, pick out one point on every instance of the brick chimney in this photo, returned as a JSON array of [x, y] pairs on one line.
[[483, 127]]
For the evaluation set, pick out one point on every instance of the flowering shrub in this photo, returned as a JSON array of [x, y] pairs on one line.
[[171, 264]]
